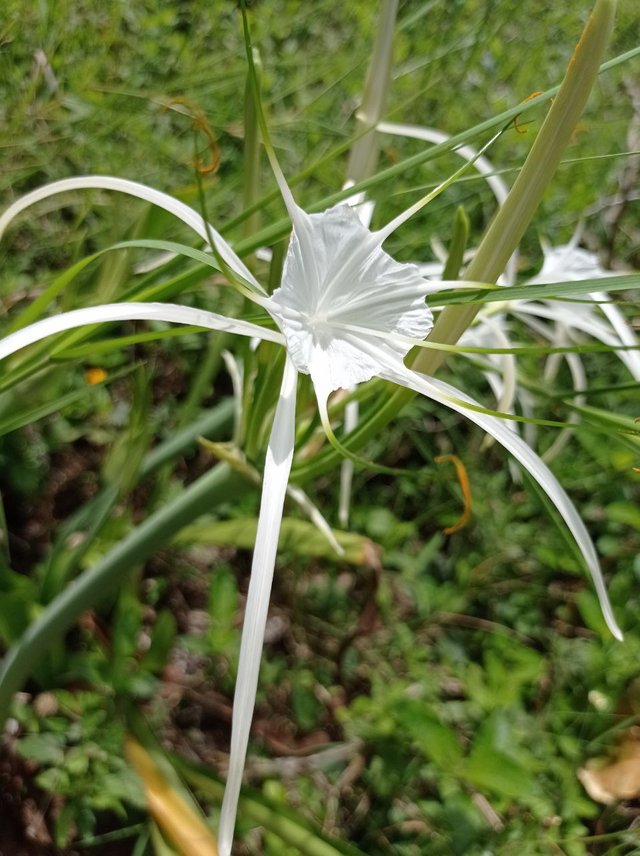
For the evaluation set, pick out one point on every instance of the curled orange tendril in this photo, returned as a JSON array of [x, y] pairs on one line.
[[518, 127], [463, 479], [200, 123]]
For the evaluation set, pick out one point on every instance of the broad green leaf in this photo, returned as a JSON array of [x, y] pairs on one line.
[[297, 536], [163, 636], [223, 598], [45, 749], [626, 513], [436, 740], [494, 763]]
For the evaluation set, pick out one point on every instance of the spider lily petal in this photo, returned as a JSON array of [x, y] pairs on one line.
[[351, 416], [570, 262], [491, 333], [579, 379], [479, 162], [624, 332], [168, 312], [456, 400], [236, 373], [276, 476], [141, 191], [582, 319]]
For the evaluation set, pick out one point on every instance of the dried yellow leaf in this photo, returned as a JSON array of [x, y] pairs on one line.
[[608, 781], [177, 820]]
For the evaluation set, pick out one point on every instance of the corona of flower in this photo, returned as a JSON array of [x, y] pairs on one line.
[[351, 283]]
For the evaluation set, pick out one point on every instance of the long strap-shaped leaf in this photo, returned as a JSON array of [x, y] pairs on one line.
[[510, 223], [104, 577]]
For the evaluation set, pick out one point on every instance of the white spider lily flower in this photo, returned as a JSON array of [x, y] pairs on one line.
[[571, 262], [562, 263], [348, 312], [337, 274]]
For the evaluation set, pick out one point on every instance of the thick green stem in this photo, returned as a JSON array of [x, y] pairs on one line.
[[251, 154], [364, 154]]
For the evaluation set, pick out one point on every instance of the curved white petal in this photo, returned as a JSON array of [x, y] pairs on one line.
[[490, 332], [479, 162], [236, 372], [168, 312], [363, 207], [623, 331], [582, 318], [141, 191], [456, 400], [569, 262], [395, 371], [351, 414], [274, 486], [433, 135]]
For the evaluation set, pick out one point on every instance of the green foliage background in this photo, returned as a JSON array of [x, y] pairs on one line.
[[472, 674]]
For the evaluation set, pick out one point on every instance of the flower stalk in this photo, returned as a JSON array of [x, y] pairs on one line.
[[251, 153], [364, 153]]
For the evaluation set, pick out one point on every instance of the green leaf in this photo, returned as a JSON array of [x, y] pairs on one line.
[[492, 763], [223, 603], [436, 740], [591, 614], [18, 594], [34, 414], [626, 513], [297, 536], [46, 749], [65, 826], [163, 636], [535, 291]]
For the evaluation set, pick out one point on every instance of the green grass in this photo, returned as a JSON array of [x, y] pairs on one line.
[[471, 675]]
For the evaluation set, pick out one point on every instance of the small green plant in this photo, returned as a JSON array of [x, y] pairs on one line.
[[75, 742]]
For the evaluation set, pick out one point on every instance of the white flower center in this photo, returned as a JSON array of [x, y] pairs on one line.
[[336, 278]]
